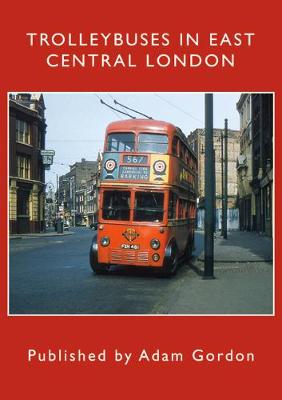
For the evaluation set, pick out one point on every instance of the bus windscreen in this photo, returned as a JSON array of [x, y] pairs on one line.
[[152, 143], [149, 206], [116, 205], [121, 142]]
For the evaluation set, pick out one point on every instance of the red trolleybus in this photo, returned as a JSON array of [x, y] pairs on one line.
[[146, 198]]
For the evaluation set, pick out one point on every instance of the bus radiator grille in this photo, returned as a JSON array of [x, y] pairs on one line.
[[129, 256]]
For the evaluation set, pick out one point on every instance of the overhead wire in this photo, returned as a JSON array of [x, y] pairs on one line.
[[101, 101], [177, 107]]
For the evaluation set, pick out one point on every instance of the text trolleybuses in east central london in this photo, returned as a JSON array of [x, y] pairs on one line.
[[147, 197]]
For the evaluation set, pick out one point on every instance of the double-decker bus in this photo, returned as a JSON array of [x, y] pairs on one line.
[[147, 197]]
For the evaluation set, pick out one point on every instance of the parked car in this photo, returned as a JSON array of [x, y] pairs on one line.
[[94, 226]]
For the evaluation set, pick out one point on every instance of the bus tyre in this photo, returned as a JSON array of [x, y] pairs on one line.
[[171, 260], [100, 269], [97, 268], [188, 251]]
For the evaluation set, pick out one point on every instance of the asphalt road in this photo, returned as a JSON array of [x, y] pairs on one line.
[[52, 276]]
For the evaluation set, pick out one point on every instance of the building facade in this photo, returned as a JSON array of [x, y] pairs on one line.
[[196, 139], [92, 199], [255, 163], [72, 188], [27, 130], [245, 164]]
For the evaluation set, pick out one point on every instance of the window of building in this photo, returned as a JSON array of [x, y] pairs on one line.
[[23, 166], [22, 131], [23, 203], [268, 202], [149, 206], [40, 141], [116, 205], [152, 143]]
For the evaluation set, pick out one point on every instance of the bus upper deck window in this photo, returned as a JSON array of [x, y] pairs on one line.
[[152, 143], [121, 142], [175, 144], [149, 206], [116, 205]]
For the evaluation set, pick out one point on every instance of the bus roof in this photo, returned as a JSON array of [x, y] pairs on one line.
[[148, 125], [142, 124]]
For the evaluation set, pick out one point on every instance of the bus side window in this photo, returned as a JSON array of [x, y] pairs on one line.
[[175, 146], [172, 202], [182, 151], [182, 209]]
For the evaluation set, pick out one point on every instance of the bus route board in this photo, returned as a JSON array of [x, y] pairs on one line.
[[137, 173]]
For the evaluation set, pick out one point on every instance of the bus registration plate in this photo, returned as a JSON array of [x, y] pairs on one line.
[[130, 246]]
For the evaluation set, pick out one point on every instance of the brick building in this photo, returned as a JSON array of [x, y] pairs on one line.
[[255, 164], [72, 190], [196, 139], [245, 164], [27, 129]]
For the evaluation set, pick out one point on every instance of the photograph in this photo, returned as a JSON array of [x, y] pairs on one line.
[[140, 173], [141, 203]]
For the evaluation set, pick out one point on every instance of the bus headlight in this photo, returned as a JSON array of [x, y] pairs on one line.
[[155, 244], [105, 241], [155, 257]]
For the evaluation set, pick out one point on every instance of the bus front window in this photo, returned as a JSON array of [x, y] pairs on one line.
[[149, 206], [152, 143], [121, 142], [116, 205]]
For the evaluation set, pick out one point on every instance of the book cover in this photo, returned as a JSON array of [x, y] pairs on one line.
[[68, 333]]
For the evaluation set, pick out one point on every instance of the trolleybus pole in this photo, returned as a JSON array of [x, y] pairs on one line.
[[209, 188], [225, 197], [222, 186]]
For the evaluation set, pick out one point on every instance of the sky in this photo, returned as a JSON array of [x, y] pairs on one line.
[[76, 122]]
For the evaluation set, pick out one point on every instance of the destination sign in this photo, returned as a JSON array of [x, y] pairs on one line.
[[135, 159], [134, 173]]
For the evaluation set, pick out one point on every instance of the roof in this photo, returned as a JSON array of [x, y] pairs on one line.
[[141, 124]]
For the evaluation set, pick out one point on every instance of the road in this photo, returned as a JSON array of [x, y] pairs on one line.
[[53, 276]]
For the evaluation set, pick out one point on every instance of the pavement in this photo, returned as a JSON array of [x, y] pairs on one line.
[[39, 235], [241, 247], [242, 282]]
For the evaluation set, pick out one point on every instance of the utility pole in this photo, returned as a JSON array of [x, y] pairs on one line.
[[222, 186], [209, 188], [225, 179], [57, 181]]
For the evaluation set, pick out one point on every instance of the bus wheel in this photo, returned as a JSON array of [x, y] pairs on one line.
[[93, 258], [100, 269], [188, 251], [171, 260]]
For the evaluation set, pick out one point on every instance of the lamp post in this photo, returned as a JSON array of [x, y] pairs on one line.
[[225, 196], [209, 188]]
